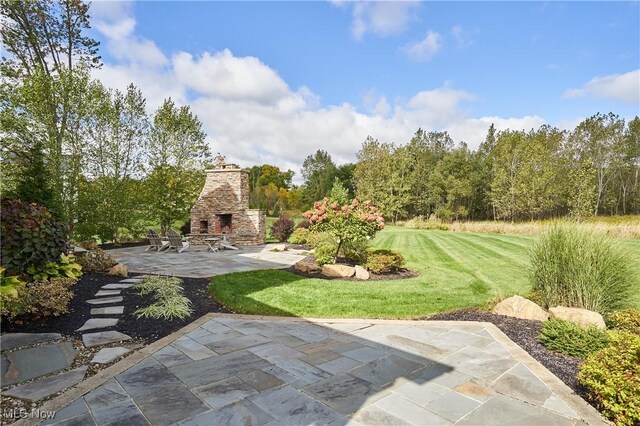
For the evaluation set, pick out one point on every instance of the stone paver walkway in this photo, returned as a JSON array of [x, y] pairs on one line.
[[227, 369], [200, 264]]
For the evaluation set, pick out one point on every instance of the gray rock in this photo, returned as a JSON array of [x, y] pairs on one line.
[[109, 310], [108, 293], [582, 317], [361, 273], [103, 338], [15, 340], [43, 388], [105, 300], [106, 355], [519, 307], [338, 271], [27, 364], [94, 323], [115, 286]]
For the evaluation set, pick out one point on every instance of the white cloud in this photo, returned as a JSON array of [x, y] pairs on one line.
[[252, 116], [230, 77], [624, 87], [461, 37], [382, 18], [424, 49]]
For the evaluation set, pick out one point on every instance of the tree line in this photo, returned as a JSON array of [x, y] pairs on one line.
[[92, 155], [513, 175]]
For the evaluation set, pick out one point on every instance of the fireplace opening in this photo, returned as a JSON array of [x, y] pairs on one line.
[[204, 226], [223, 223]]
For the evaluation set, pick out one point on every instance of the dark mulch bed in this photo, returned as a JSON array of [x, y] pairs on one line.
[[109, 246], [525, 334], [145, 329]]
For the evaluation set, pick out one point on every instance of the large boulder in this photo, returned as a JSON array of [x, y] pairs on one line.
[[582, 317], [519, 307], [119, 270], [307, 267], [361, 273], [338, 271]]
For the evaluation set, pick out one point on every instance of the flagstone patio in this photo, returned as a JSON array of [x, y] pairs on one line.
[[202, 264], [232, 369]]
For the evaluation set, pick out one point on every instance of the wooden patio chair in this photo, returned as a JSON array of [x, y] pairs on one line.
[[175, 241], [155, 242]]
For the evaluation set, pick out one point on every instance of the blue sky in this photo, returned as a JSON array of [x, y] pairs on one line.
[[274, 81]]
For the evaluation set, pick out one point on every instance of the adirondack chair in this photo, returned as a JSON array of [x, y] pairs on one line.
[[175, 241], [155, 242]]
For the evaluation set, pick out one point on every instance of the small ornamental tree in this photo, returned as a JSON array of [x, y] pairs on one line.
[[348, 223]]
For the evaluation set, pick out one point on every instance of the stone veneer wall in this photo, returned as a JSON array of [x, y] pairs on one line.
[[226, 191]]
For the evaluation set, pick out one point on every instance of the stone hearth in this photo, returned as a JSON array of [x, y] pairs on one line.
[[222, 208]]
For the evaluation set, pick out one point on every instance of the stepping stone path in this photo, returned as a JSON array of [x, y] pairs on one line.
[[108, 294], [21, 365]]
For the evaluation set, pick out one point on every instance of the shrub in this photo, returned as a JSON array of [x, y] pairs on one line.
[[325, 254], [356, 250], [29, 235], [282, 228], [88, 244], [96, 261], [186, 228], [345, 223], [169, 304], [303, 224], [571, 339], [421, 223], [612, 378], [383, 261], [8, 287], [572, 267], [317, 239], [299, 236], [625, 320], [41, 299], [66, 267]]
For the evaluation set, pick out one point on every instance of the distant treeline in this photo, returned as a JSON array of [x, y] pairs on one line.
[[513, 175]]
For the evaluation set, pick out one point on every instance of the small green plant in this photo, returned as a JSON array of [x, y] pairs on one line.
[[8, 287], [299, 236], [96, 261], [29, 235], [41, 299], [625, 320], [571, 339], [66, 267], [169, 304], [572, 267], [282, 228], [383, 261], [325, 254], [317, 239], [612, 378]]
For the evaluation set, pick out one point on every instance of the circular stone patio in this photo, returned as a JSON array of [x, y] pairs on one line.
[[233, 369]]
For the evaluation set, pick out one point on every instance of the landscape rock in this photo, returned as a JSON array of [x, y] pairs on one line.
[[308, 267], [93, 323], [119, 270], [361, 273], [519, 307], [338, 271], [26, 364], [582, 317]]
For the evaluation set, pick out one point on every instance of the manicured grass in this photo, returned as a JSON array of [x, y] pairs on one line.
[[457, 270]]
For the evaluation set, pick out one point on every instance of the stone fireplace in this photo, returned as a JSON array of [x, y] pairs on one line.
[[222, 208]]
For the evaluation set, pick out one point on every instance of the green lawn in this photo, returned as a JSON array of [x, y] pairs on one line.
[[456, 270]]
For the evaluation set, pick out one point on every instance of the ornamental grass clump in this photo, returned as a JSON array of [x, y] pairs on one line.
[[573, 267], [170, 303]]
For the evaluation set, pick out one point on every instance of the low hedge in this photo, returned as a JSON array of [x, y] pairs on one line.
[[571, 339]]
